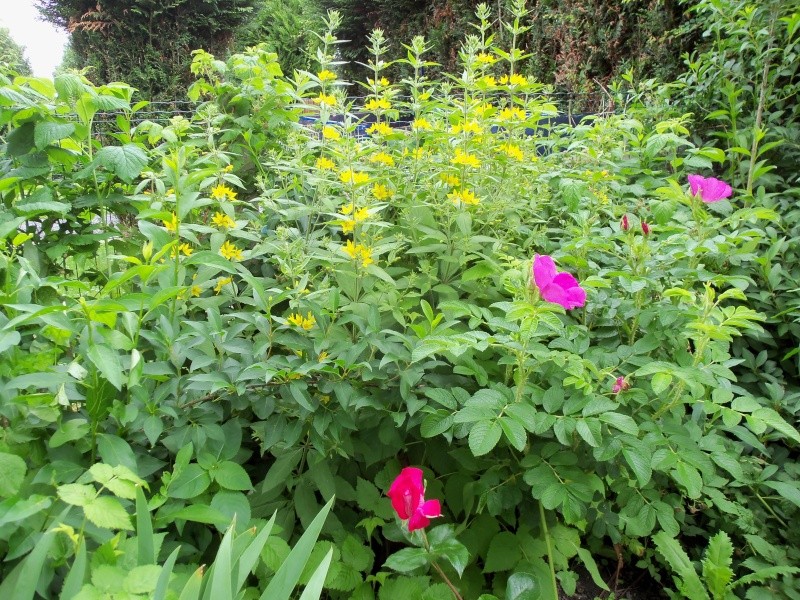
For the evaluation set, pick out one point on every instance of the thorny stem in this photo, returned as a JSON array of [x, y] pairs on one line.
[[546, 534]]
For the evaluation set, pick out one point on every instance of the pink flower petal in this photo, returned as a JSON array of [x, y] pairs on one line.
[[565, 280], [431, 509], [544, 270], [695, 183], [406, 492], [576, 298], [418, 521]]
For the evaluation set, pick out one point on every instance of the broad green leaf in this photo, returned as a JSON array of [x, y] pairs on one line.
[[639, 463], [191, 482], [106, 511], [77, 494], [125, 161], [12, 474], [503, 554], [107, 362], [774, 420], [483, 437], [788, 491], [232, 476], [407, 559], [717, 571], [47, 132], [142, 579], [686, 578], [19, 509]]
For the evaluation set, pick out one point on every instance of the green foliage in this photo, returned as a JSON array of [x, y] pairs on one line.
[[246, 316], [12, 56], [143, 43]]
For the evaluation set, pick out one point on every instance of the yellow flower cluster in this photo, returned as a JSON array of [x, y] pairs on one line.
[[512, 113], [353, 177], [230, 251], [383, 82], [515, 79], [325, 164], [183, 248], [359, 215], [326, 75], [382, 158], [467, 127], [382, 192], [486, 59], [488, 81], [222, 192], [421, 123], [325, 99], [466, 159], [171, 224], [223, 281], [375, 104], [357, 252], [223, 221], [512, 151], [331, 133], [484, 108], [450, 180], [299, 320], [379, 129], [463, 197]]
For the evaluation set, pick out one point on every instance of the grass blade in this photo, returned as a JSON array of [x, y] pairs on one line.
[[144, 530], [163, 579], [77, 573], [249, 558]]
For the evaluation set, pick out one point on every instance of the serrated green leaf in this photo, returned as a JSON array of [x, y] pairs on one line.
[[407, 559], [504, 553], [47, 132], [77, 494], [483, 437], [12, 474], [687, 580], [125, 161], [106, 511]]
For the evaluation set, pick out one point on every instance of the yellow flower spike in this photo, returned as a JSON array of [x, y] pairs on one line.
[[466, 159], [366, 256], [512, 151], [222, 192], [230, 251], [223, 221], [172, 224], [331, 133], [326, 75], [376, 103], [382, 158], [309, 321], [381, 192], [465, 197], [486, 59], [325, 164]]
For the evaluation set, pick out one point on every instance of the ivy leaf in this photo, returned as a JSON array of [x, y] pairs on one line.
[[125, 161], [484, 437], [106, 511]]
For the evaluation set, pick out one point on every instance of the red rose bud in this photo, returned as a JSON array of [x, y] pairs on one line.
[[624, 223], [645, 228]]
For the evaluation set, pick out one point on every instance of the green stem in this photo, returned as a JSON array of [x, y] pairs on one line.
[[439, 569], [546, 534]]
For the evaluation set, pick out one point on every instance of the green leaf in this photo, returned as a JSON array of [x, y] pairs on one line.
[[407, 559], [125, 161], [483, 437], [106, 511], [219, 588], [639, 463], [717, 571], [686, 578], [107, 362], [774, 420], [454, 551], [191, 482], [16, 509], [12, 474], [788, 491], [515, 433], [282, 585], [77, 573], [313, 589], [142, 579], [591, 566], [689, 477], [47, 132], [144, 530], [504, 553], [77, 494], [232, 476], [22, 582]]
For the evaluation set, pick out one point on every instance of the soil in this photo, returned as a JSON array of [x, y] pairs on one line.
[[633, 584]]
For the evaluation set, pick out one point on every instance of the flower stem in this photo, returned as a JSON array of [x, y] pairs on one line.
[[438, 568], [546, 534]]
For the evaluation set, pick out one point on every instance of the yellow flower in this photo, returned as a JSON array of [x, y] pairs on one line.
[[463, 158], [515, 79], [381, 82], [223, 281], [357, 252], [381, 192], [183, 248], [484, 108], [418, 153], [512, 151], [222, 192], [421, 123], [347, 226], [361, 214], [348, 208], [379, 129], [512, 113], [467, 127], [227, 169], [382, 158], [486, 59], [325, 164], [299, 320], [196, 290], [230, 251], [326, 99], [353, 177], [331, 133], [488, 81], [322, 356], [223, 221], [463, 197], [172, 224], [326, 75], [450, 180], [375, 104]]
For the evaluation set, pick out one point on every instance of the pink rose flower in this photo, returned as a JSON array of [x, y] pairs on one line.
[[559, 288], [407, 493], [709, 189], [620, 385]]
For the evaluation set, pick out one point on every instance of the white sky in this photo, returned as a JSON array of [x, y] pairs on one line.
[[43, 42]]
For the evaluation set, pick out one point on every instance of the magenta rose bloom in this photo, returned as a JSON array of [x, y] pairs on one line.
[[407, 493], [559, 288], [710, 189]]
